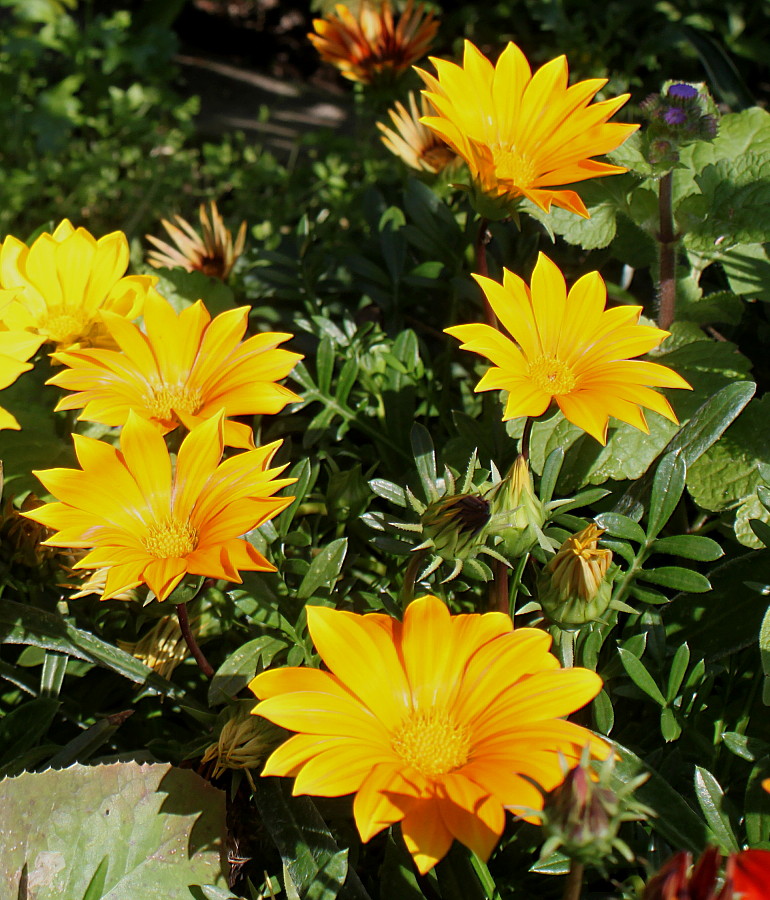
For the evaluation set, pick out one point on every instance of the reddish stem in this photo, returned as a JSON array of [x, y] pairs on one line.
[[184, 624], [667, 239]]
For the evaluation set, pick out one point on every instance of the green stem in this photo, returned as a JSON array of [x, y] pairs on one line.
[[184, 624], [480, 247], [573, 887], [667, 239], [410, 576]]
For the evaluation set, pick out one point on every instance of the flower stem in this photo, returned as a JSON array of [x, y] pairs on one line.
[[501, 594], [525, 436], [482, 239], [184, 624], [667, 239], [574, 884]]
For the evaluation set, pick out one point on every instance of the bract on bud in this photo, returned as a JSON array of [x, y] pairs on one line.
[[517, 511], [575, 587], [454, 526]]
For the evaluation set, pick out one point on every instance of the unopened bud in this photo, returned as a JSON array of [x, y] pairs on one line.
[[244, 742], [453, 527], [517, 512], [575, 587]]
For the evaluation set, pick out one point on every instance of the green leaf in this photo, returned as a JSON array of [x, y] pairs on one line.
[[689, 546], [182, 289], [241, 666], [676, 821], [676, 675], [756, 804], [669, 726], [640, 676], [397, 877], [425, 460], [24, 726], [95, 889], [621, 527], [738, 133], [712, 801], [603, 712], [160, 829], [729, 616], [667, 488], [324, 570], [677, 578], [388, 491]]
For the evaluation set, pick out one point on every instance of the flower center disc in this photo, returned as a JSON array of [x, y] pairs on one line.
[[552, 375], [432, 742], [170, 539], [163, 399], [64, 327], [510, 165]]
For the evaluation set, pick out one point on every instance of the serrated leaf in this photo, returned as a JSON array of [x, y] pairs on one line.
[[160, 828], [637, 672], [325, 569], [712, 801]]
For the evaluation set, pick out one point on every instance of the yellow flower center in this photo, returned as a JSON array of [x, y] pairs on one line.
[[513, 166], [552, 375], [432, 742], [170, 539], [163, 399], [62, 326]]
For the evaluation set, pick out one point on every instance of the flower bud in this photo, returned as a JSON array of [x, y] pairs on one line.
[[454, 526], [575, 587], [244, 742], [583, 815], [517, 511], [680, 114], [163, 647]]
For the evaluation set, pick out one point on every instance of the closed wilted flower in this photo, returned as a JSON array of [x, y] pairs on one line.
[[244, 742], [569, 349], [211, 252], [163, 647], [438, 722], [181, 370], [573, 588], [373, 47], [59, 286], [523, 134], [517, 512], [413, 142]]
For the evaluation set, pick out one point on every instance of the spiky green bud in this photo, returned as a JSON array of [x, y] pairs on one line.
[[517, 512], [454, 527]]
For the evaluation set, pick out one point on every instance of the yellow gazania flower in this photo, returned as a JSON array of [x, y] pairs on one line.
[[212, 252], [372, 48], [150, 527], [59, 286], [16, 347], [186, 368], [416, 145], [570, 349], [522, 134], [437, 722]]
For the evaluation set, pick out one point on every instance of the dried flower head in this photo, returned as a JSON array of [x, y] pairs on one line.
[[163, 647], [212, 251], [417, 145], [374, 47]]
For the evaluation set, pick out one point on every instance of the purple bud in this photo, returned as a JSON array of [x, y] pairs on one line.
[[683, 91], [675, 116]]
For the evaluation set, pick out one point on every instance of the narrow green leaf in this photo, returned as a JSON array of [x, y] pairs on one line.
[[678, 669], [676, 821], [712, 801], [603, 712], [324, 364], [669, 727], [757, 805], [52, 674], [667, 488], [689, 546], [621, 526], [677, 578], [240, 667], [745, 747], [346, 380], [23, 727], [550, 474], [425, 459], [84, 745], [325, 569], [388, 491], [95, 887], [637, 672]]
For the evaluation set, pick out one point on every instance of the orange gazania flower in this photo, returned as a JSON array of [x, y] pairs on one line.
[[149, 526], [568, 348], [373, 48], [184, 369], [59, 286], [523, 134], [438, 722], [416, 145], [211, 252]]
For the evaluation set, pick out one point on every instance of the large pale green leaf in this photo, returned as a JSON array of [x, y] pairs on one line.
[[727, 475], [160, 830], [738, 133]]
